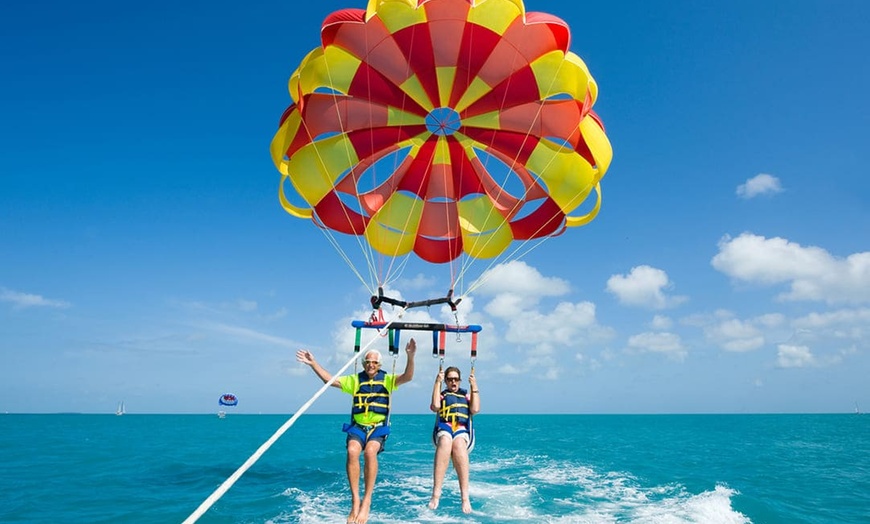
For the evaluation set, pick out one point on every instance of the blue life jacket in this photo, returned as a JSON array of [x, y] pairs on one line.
[[454, 417], [372, 395], [454, 408]]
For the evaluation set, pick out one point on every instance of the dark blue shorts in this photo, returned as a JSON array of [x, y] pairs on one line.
[[363, 434]]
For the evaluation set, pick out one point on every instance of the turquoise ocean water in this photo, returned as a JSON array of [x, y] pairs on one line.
[[657, 469]]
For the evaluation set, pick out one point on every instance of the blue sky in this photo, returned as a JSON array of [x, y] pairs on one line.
[[144, 256]]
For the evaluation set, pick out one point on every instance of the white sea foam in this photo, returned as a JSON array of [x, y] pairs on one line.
[[513, 489], [712, 507], [321, 507], [587, 496]]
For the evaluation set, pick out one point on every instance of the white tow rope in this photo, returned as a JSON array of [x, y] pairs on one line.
[[223, 488]]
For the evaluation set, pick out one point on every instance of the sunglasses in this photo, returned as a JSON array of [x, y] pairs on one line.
[[371, 362], [452, 379]]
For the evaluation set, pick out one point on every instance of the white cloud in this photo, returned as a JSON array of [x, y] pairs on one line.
[[247, 305], [517, 287], [661, 322], [742, 345], [510, 369], [516, 290], [736, 335], [25, 300], [251, 335], [644, 286], [789, 356], [771, 320], [832, 336], [669, 344], [810, 272], [842, 319], [506, 305], [567, 325], [519, 278], [844, 331], [277, 315], [762, 184], [418, 282], [733, 334]]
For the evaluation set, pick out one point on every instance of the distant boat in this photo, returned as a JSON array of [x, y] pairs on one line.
[[121, 410], [857, 411], [222, 414]]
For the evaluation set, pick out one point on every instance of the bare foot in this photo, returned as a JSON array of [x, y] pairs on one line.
[[354, 511], [433, 502], [363, 516], [466, 506]]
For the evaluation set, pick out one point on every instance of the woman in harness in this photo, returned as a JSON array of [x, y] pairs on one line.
[[453, 433]]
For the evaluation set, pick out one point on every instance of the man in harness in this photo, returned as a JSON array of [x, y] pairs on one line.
[[369, 427]]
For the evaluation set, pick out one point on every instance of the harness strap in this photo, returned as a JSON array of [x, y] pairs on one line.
[[370, 429], [390, 393]]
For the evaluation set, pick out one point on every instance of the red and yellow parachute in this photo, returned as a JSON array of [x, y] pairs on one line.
[[442, 127]]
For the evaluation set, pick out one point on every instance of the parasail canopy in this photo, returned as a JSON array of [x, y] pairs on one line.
[[442, 128], [228, 399]]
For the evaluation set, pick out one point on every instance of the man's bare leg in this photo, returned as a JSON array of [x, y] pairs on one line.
[[352, 467], [442, 460], [370, 476]]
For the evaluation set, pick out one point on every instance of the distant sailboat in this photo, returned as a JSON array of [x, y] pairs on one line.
[[121, 410], [857, 411]]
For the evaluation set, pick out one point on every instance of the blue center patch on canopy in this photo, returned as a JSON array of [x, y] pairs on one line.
[[443, 121]]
